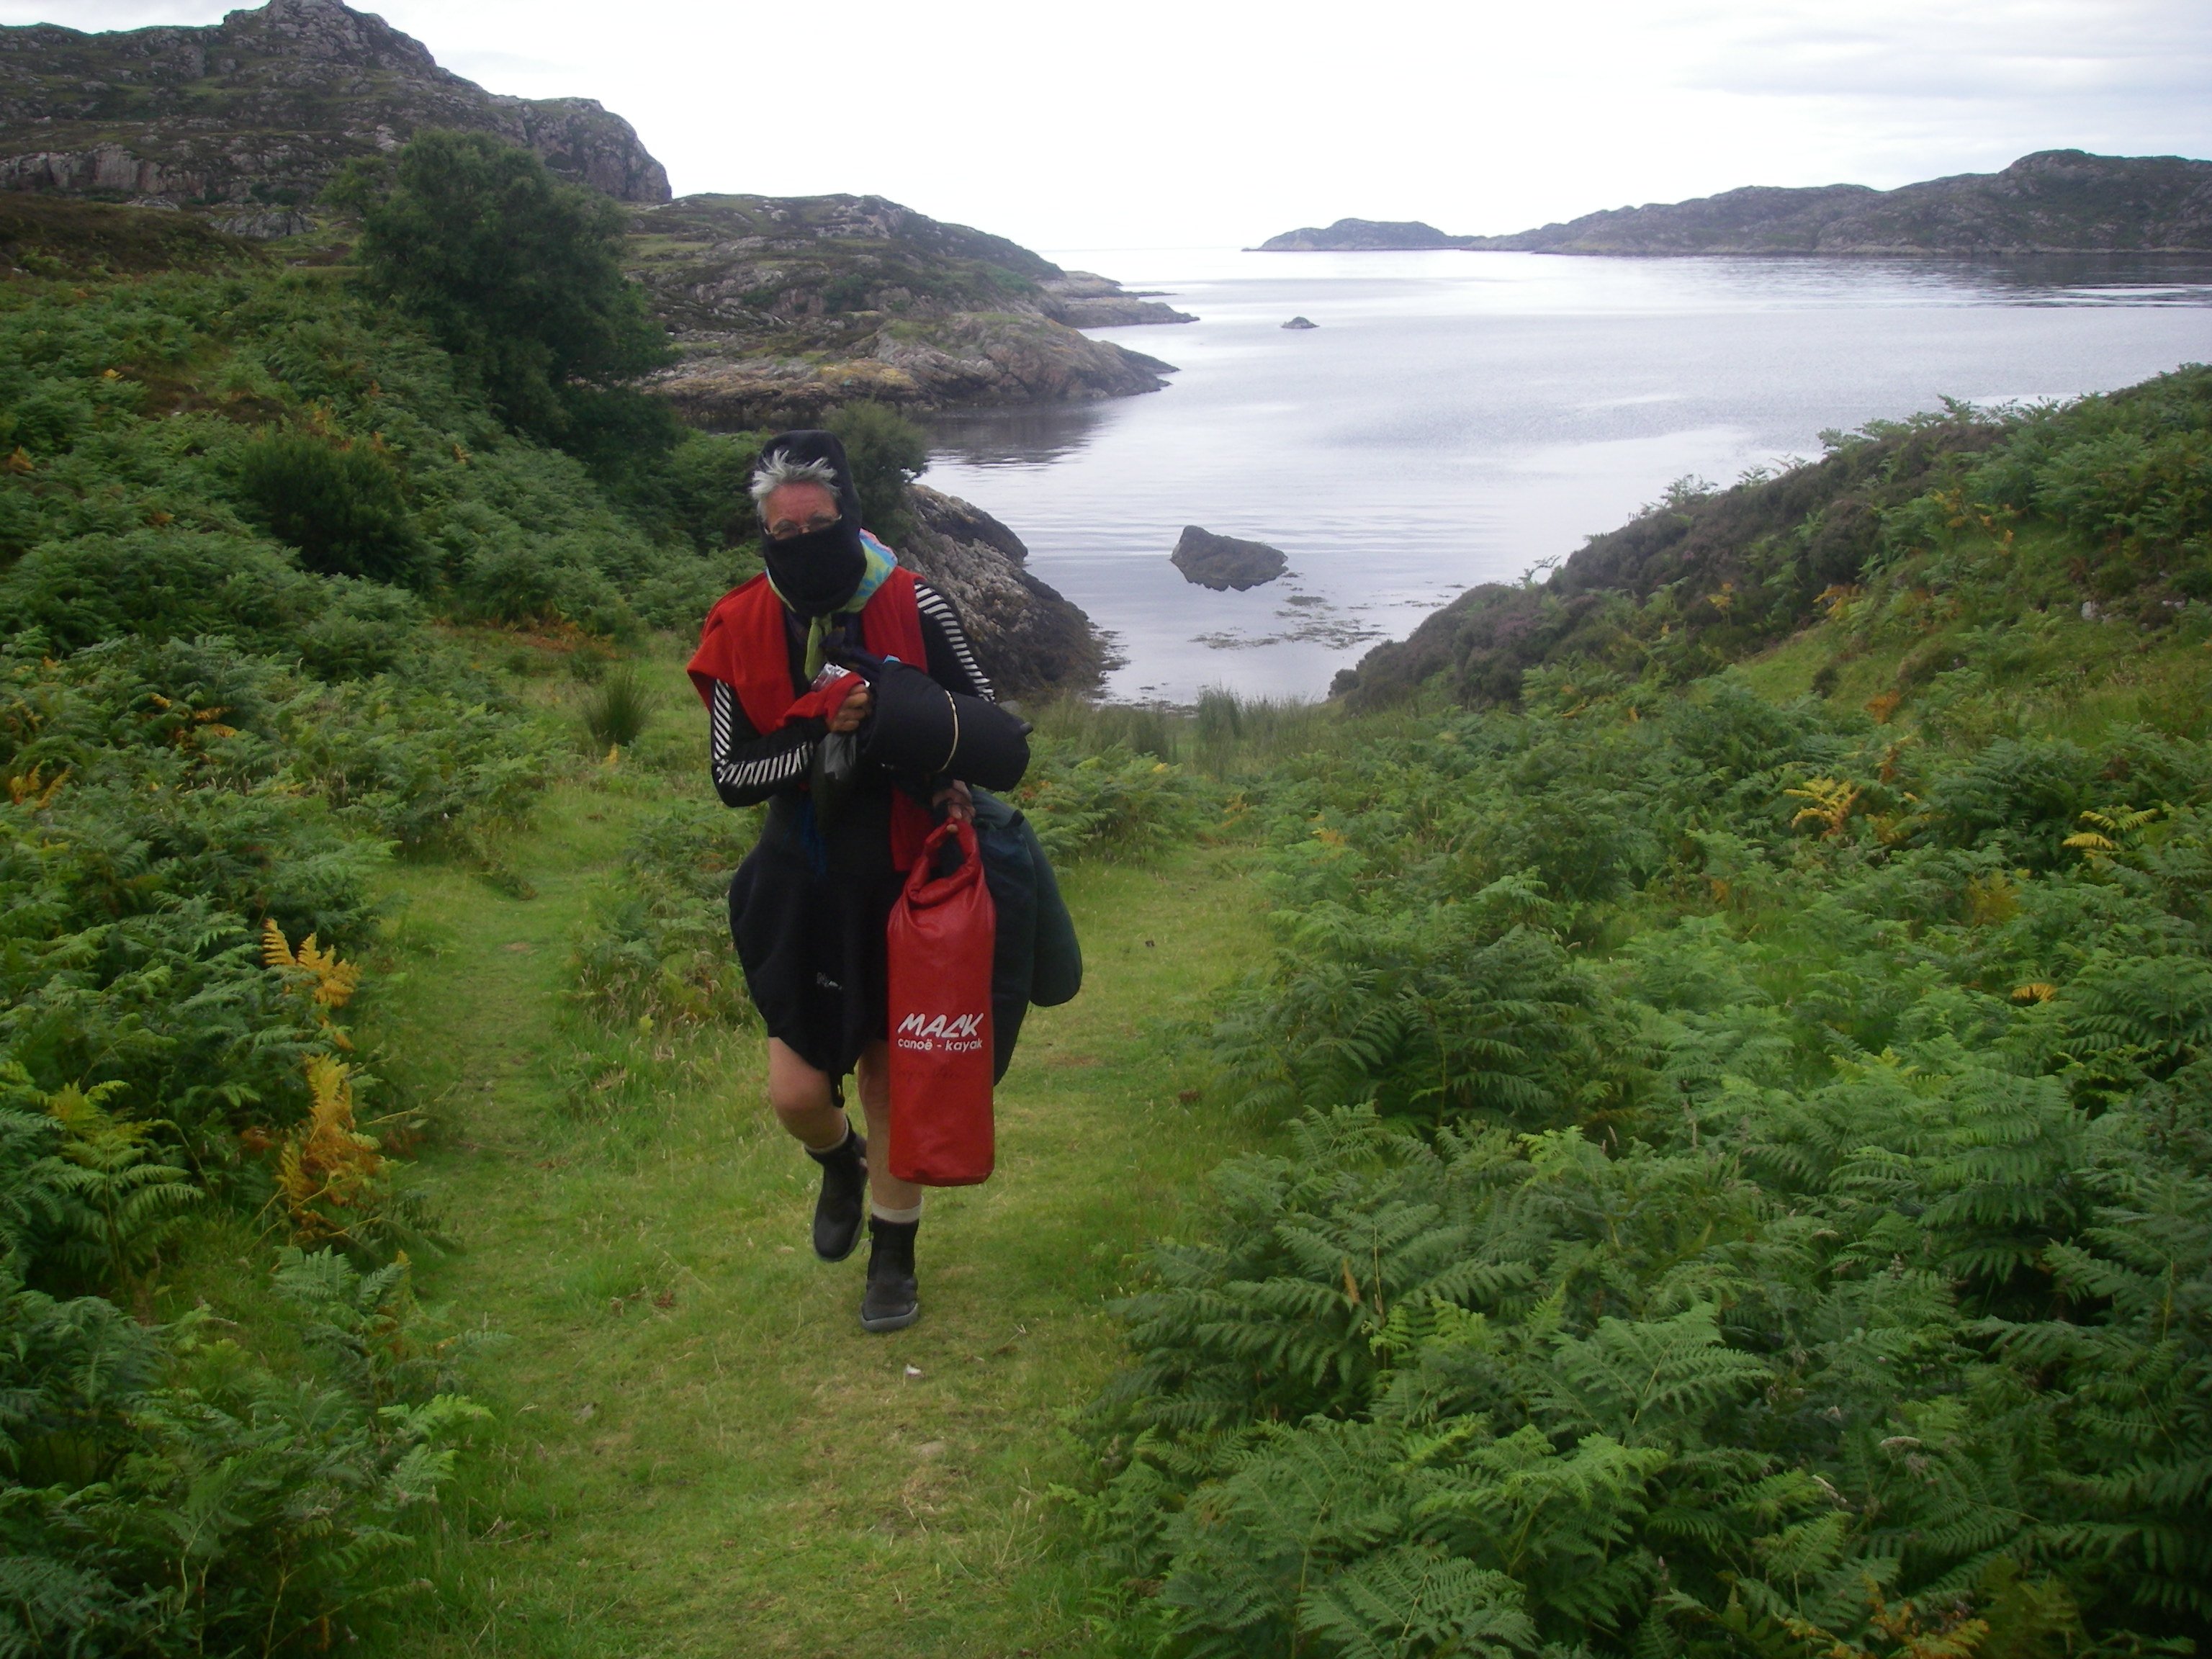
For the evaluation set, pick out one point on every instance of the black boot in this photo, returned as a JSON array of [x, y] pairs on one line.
[[891, 1303], [844, 1197]]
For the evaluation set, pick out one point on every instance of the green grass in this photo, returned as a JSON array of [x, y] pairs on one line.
[[699, 1450]]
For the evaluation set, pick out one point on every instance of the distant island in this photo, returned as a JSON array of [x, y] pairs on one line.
[[1363, 236], [2056, 201]]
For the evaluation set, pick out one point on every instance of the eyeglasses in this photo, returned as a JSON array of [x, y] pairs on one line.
[[790, 530]]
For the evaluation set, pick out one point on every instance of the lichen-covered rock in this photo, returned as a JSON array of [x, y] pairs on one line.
[[786, 306], [1031, 641], [1083, 299], [251, 116], [1225, 561]]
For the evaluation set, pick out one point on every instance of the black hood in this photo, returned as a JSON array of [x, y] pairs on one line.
[[817, 573]]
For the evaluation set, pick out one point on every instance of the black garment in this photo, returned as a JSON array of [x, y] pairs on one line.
[[816, 573], [1036, 959], [808, 906]]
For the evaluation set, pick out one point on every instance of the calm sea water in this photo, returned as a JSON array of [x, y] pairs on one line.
[[1461, 417]]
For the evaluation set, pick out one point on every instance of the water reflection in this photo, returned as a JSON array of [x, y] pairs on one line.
[[1458, 417], [2062, 279], [1032, 436]]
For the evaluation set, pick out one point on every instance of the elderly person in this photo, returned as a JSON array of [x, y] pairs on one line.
[[808, 907]]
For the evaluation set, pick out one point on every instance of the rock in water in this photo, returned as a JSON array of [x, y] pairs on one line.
[[1225, 561], [1302, 322]]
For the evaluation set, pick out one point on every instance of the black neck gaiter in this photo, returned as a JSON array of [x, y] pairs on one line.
[[818, 572]]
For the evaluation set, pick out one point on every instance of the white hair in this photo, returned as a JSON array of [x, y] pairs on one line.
[[783, 468]]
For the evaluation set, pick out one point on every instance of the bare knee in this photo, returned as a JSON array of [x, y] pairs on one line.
[[802, 1097], [873, 1077]]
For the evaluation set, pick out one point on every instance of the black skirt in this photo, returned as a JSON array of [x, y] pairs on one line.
[[808, 915]]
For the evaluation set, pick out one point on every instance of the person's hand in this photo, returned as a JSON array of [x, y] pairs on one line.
[[852, 710], [958, 804]]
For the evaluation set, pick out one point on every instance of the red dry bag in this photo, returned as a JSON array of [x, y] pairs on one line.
[[942, 934]]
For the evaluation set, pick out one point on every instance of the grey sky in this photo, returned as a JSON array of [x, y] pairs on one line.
[[1204, 122]]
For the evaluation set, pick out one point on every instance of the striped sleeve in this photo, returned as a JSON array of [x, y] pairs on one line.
[[952, 659], [747, 767]]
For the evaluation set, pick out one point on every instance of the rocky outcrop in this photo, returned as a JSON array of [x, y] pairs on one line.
[[1031, 640], [2059, 201], [1225, 561], [1363, 236], [1081, 299], [1302, 322], [251, 116], [965, 361], [786, 306]]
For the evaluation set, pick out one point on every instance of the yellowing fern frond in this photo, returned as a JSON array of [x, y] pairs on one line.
[[90, 1132], [2118, 822], [33, 789], [2036, 990], [1832, 801], [331, 983], [328, 1173], [1951, 1634]]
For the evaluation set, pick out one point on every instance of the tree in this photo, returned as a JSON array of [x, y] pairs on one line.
[[513, 272], [887, 453]]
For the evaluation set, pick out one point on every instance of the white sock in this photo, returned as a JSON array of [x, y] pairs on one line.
[[825, 1152], [884, 1212]]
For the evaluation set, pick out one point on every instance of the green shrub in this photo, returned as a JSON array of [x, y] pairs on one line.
[[167, 1494], [710, 482], [1744, 1172], [887, 453], [422, 765], [341, 506], [157, 584], [365, 629], [1112, 802]]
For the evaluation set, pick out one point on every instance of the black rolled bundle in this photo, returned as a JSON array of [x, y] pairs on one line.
[[917, 725]]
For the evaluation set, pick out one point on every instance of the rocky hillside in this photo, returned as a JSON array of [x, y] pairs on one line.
[[1732, 571], [2056, 201], [1363, 236], [2100, 505], [251, 116], [787, 305]]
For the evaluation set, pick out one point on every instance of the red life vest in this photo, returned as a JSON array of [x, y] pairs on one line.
[[743, 645]]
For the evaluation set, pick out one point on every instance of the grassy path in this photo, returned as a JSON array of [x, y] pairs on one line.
[[704, 1453]]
